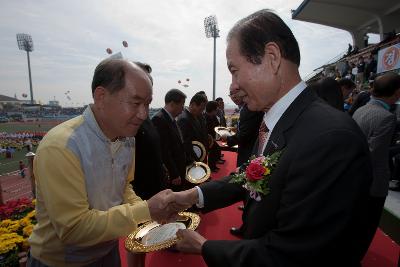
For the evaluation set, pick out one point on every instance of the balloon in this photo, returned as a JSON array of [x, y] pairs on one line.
[[179, 81], [125, 43], [109, 51]]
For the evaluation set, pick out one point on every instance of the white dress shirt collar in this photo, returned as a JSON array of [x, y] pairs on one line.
[[272, 116], [169, 114]]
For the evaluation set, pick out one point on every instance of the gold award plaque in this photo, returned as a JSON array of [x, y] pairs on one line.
[[152, 236], [223, 131], [199, 150], [198, 173]]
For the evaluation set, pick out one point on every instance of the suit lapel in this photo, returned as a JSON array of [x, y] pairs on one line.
[[171, 123], [277, 139], [195, 122]]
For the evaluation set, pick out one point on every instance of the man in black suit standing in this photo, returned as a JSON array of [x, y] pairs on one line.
[[245, 137], [247, 130], [172, 149], [150, 175], [221, 112], [314, 212], [212, 122], [191, 124]]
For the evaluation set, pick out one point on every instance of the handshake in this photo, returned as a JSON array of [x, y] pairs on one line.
[[165, 205]]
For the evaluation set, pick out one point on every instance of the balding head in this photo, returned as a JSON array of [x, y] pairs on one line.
[[110, 74], [122, 93], [386, 85]]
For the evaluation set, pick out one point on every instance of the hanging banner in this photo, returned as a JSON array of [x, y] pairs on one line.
[[389, 58]]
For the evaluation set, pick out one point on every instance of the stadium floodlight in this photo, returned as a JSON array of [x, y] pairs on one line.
[[25, 43], [212, 31]]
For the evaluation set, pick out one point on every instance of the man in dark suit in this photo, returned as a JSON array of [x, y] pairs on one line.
[[212, 122], [314, 212], [150, 175], [221, 112], [173, 152], [378, 125], [245, 137], [192, 128], [247, 130]]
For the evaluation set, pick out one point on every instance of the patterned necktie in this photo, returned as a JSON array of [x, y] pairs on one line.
[[262, 137]]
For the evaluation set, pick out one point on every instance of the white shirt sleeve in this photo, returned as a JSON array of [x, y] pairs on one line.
[[200, 204]]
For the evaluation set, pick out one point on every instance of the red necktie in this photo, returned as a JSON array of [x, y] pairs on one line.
[[262, 137]]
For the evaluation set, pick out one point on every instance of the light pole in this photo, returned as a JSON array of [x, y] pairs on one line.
[[25, 43], [211, 27]]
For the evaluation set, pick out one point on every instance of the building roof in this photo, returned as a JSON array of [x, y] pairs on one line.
[[356, 16], [4, 98]]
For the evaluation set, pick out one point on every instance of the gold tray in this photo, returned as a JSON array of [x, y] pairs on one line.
[[224, 131], [133, 242], [199, 150], [204, 171]]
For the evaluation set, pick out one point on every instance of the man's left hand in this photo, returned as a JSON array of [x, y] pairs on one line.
[[189, 241]]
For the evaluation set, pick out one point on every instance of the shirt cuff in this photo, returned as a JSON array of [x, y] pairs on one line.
[[140, 212], [200, 204]]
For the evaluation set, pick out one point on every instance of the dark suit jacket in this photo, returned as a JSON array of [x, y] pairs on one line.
[[172, 149], [211, 123], [247, 134], [150, 176], [318, 195], [221, 116], [193, 129]]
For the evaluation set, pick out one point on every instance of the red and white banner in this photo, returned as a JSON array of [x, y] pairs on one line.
[[389, 58]]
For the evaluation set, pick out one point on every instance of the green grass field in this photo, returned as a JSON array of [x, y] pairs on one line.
[[35, 127], [12, 164]]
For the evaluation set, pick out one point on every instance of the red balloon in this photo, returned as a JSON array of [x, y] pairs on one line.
[[125, 43], [109, 51], [179, 81]]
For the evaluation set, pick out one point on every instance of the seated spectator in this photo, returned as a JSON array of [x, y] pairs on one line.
[[346, 86], [329, 90], [361, 99]]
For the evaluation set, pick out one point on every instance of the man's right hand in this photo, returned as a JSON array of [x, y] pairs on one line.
[[165, 205], [185, 199], [160, 206]]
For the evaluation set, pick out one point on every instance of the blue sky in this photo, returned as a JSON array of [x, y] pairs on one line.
[[70, 38]]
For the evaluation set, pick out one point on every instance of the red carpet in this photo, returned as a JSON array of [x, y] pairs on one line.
[[215, 225]]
